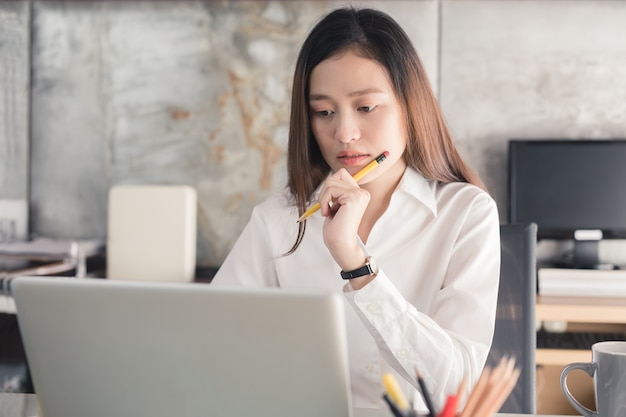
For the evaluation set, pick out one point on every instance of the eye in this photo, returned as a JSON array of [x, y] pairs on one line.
[[323, 113], [366, 109]]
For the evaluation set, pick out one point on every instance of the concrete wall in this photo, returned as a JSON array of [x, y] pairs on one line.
[[198, 92], [14, 94], [14, 118]]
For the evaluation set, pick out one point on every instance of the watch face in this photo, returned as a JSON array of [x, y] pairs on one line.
[[373, 265]]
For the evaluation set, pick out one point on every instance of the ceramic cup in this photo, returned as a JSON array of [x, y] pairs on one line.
[[608, 370]]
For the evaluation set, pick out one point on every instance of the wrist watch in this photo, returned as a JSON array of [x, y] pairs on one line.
[[370, 268]]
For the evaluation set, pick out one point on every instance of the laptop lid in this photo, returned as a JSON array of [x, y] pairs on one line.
[[98, 347]]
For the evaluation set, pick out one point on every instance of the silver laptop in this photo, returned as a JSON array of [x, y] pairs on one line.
[[98, 347]]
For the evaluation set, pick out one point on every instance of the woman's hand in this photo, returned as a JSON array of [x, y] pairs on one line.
[[343, 203]]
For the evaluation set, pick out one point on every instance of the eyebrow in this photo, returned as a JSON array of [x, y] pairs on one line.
[[365, 91]]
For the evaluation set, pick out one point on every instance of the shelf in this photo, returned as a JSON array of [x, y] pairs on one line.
[[561, 357], [596, 310], [581, 309], [581, 313]]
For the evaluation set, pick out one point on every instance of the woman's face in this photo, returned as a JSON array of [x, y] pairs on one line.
[[355, 115]]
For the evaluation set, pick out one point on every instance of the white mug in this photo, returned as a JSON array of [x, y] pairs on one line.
[[608, 370]]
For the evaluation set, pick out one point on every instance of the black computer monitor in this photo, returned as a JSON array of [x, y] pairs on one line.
[[572, 189]]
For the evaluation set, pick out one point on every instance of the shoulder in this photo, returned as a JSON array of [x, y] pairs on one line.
[[275, 218], [441, 197], [471, 209], [278, 206], [471, 204], [462, 192]]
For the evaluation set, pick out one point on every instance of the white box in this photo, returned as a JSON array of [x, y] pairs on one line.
[[152, 233]]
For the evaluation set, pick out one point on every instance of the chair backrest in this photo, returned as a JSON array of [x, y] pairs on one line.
[[14, 372], [515, 332]]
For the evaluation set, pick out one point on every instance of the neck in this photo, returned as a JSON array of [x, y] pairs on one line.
[[380, 191], [381, 188]]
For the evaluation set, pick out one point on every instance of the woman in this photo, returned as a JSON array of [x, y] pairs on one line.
[[428, 302]]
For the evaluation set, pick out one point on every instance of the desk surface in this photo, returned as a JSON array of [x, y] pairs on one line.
[[25, 405]]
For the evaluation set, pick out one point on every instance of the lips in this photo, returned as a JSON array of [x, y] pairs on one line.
[[352, 158]]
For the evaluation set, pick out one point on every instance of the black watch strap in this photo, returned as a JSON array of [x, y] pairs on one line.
[[367, 269]]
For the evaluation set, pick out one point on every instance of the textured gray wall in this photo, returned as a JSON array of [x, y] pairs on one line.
[[531, 69], [14, 92], [198, 93], [158, 92]]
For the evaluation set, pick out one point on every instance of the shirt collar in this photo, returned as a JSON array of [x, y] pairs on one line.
[[414, 184]]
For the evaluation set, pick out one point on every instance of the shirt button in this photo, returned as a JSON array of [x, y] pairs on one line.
[[372, 307], [402, 353], [370, 368]]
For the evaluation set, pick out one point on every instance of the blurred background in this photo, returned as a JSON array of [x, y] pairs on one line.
[[94, 94]]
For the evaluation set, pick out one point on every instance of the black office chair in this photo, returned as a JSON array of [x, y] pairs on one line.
[[515, 331], [14, 372]]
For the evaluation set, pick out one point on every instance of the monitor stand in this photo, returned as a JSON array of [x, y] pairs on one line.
[[585, 254], [586, 250]]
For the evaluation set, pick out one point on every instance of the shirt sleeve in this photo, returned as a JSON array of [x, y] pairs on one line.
[[453, 340]]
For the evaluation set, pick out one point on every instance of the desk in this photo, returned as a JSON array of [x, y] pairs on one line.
[[25, 405]]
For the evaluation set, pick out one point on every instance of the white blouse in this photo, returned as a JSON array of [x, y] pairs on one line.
[[432, 305]]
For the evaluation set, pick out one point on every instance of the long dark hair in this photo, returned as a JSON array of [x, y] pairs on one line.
[[374, 35]]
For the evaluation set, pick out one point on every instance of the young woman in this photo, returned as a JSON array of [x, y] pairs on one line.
[[413, 246]]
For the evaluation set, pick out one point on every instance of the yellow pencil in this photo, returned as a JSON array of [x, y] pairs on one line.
[[395, 393], [363, 172]]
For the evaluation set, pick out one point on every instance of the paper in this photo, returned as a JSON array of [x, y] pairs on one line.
[[52, 248], [582, 282]]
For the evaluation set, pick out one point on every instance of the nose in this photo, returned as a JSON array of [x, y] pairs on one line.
[[346, 128]]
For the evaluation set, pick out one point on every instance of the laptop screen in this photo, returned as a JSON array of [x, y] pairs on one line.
[[99, 347]]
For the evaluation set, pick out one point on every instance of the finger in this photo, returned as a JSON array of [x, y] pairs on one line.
[[325, 200], [329, 203], [333, 206], [335, 186], [344, 176], [340, 189]]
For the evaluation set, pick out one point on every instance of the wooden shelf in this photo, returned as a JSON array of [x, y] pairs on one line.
[[576, 310], [561, 357], [581, 314], [581, 309]]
